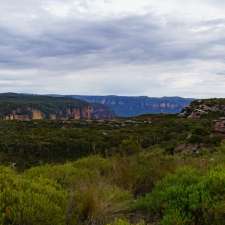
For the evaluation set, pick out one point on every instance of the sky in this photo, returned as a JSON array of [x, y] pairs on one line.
[[113, 47]]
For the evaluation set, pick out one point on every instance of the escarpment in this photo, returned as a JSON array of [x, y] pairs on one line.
[[34, 107], [36, 114]]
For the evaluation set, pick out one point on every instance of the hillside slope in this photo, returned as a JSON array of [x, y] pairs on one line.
[[133, 106]]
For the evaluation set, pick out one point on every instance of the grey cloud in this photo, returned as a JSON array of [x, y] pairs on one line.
[[129, 40], [41, 49]]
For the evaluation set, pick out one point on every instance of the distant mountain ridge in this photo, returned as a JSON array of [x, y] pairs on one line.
[[125, 106], [36, 107]]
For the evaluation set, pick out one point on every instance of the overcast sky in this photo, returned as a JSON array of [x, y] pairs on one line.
[[123, 47]]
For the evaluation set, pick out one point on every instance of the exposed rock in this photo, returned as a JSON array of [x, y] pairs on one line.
[[197, 113], [188, 149], [219, 125], [87, 113], [200, 108], [37, 115]]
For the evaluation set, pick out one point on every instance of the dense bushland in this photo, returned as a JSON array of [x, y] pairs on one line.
[[26, 144]]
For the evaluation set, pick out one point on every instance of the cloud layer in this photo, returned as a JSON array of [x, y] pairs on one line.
[[126, 47]]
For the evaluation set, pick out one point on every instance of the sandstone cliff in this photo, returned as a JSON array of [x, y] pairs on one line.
[[33, 107]]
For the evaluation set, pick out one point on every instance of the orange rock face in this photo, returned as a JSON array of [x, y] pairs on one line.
[[86, 113], [37, 115]]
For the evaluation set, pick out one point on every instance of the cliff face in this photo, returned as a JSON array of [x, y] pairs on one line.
[[101, 112], [133, 106], [26, 107], [86, 113], [35, 114]]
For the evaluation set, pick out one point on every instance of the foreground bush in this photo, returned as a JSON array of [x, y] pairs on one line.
[[139, 173], [98, 191], [81, 192], [98, 203], [30, 202], [188, 198], [69, 175]]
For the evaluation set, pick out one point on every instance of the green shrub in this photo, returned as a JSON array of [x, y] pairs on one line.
[[129, 146], [101, 166], [30, 201], [70, 174], [97, 203], [174, 218], [139, 173], [124, 222], [187, 198]]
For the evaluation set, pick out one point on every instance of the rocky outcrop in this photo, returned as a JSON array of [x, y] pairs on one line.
[[219, 125], [134, 106], [207, 107]]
